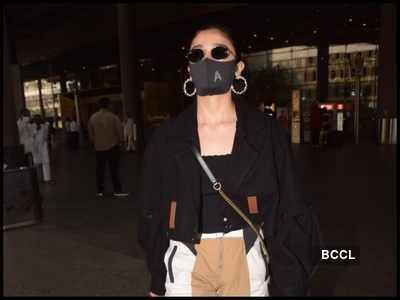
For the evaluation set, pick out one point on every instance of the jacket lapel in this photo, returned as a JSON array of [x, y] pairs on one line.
[[246, 150]]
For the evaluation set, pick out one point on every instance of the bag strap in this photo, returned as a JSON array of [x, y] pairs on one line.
[[218, 187]]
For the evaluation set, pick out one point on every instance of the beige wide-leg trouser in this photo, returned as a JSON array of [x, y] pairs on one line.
[[220, 265]]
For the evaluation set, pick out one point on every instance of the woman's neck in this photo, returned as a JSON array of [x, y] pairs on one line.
[[216, 109]]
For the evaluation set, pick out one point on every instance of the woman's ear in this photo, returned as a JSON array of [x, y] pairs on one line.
[[239, 68]]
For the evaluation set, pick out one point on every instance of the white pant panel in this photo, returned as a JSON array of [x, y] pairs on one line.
[[179, 261], [257, 269]]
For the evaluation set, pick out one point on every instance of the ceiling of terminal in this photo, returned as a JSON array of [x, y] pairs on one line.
[[68, 34]]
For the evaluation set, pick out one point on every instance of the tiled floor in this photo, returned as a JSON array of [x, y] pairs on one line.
[[87, 246]]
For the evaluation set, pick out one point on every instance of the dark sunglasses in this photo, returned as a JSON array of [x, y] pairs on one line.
[[217, 53]]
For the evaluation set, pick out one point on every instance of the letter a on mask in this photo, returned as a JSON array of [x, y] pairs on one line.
[[217, 76]]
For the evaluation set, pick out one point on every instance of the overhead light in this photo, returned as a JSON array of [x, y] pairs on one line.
[[153, 69], [183, 48], [249, 46], [271, 38], [84, 68], [364, 24], [315, 31], [255, 35], [350, 20], [108, 67], [287, 41]]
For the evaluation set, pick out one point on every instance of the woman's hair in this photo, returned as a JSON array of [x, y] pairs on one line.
[[225, 30]]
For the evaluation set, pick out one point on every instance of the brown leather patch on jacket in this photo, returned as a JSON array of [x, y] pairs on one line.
[[172, 212], [252, 202]]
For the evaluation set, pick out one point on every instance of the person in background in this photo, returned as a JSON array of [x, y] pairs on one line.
[[74, 132], [325, 127], [40, 152], [315, 123], [67, 128], [129, 133], [283, 120], [106, 133], [25, 133]]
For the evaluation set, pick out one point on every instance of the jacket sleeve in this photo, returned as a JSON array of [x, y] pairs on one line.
[[295, 247], [151, 224]]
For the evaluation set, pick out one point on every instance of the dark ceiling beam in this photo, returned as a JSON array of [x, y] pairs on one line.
[[20, 14]]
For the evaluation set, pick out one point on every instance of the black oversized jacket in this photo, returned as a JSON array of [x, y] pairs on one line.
[[263, 159]]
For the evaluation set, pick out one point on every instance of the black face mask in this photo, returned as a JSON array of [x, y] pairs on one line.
[[212, 77]]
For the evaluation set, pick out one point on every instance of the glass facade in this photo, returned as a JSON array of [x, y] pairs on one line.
[[300, 62], [31, 92], [50, 95], [342, 73]]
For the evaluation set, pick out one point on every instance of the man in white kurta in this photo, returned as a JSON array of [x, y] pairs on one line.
[[40, 148], [25, 131]]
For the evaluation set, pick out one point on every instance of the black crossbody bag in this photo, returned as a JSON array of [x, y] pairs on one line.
[[218, 187]]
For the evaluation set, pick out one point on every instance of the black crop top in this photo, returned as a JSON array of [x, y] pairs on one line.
[[216, 215]]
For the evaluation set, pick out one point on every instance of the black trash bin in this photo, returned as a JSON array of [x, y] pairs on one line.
[[22, 205]]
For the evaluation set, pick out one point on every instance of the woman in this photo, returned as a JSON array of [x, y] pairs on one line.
[[195, 243], [40, 152]]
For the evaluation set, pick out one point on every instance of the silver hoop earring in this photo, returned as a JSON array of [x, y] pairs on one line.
[[244, 89], [184, 88]]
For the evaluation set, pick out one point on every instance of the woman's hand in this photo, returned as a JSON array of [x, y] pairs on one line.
[[151, 294]]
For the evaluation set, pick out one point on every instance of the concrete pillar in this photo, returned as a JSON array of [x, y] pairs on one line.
[[129, 67], [387, 87], [322, 72], [10, 130], [18, 87], [16, 81]]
